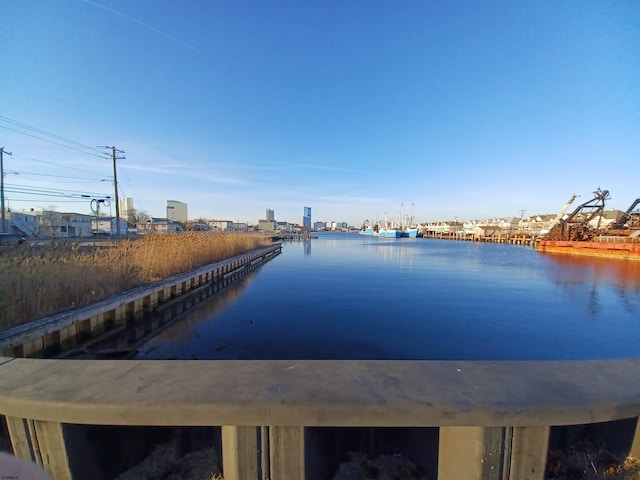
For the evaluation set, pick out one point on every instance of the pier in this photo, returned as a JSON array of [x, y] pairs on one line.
[[302, 235], [505, 237]]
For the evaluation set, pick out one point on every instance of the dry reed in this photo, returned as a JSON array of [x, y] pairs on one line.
[[42, 280]]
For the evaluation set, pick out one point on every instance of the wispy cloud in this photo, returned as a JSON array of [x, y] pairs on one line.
[[145, 25], [336, 169], [173, 170], [348, 199]]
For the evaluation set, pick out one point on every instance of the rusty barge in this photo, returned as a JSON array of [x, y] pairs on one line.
[[583, 232]]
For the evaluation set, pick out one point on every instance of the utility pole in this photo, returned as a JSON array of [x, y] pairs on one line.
[[114, 157], [4, 220]]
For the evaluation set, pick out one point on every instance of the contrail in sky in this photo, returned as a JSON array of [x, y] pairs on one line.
[[153, 29]]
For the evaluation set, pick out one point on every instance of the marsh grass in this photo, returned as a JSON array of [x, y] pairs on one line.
[[41, 280]]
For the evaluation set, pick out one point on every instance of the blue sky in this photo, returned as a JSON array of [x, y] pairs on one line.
[[465, 109]]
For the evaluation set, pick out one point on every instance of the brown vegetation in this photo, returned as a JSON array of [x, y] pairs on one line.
[[587, 460], [40, 280], [166, 463]]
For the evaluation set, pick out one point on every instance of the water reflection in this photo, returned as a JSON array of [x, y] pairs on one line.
[[186, 330], [366, 298], [387, 249], [623, 273], [596, 276]]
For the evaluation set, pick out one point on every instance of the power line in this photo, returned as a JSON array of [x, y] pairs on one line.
[[126, 177], [73, 145], [79, 179], [52, 192], [78, 145], [51, 141], [57, 200], [54, 164]]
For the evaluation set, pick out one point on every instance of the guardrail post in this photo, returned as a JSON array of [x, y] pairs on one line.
[[529, 451], [42, 443], [635, 445], [239, 452], [19, 436], [286, 452], [492, 453], [471, 453]]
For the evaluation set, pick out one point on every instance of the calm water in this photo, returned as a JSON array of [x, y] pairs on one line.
[[346, 296]]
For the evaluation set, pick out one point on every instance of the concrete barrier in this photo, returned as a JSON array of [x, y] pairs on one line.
[[493, 418]]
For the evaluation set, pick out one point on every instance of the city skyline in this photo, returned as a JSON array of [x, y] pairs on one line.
[[461, 110]]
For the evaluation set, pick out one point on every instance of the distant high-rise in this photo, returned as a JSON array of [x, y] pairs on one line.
[[271, 215], [306, 219], [177, 211], [126, 209]]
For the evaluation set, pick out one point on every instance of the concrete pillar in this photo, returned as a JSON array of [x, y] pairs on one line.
[[42, 443], [529, 449], [471, 453], [635, 445], [19, 436], [239, 452], [286, 453], [492, 453]]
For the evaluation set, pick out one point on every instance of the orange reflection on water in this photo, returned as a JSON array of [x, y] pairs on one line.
[[624, 273]]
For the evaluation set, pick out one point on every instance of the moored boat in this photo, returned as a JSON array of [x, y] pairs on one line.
[[409, 226], [389, 232], [386, 229], [410, 232]]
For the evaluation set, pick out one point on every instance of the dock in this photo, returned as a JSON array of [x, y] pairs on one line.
[[505, 237]]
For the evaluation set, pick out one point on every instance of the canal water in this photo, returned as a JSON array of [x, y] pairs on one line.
[[347, 296]]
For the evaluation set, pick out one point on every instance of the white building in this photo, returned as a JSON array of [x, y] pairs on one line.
[[270, 215], [76, 225], [240, 227], [177, 211], [25, 223], [220, 225], [108, 226], [267, 225], [126, 209], [159, 225], [52, 224]]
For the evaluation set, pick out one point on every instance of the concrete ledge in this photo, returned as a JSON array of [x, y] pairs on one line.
[[498, 413], [320, 393]]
